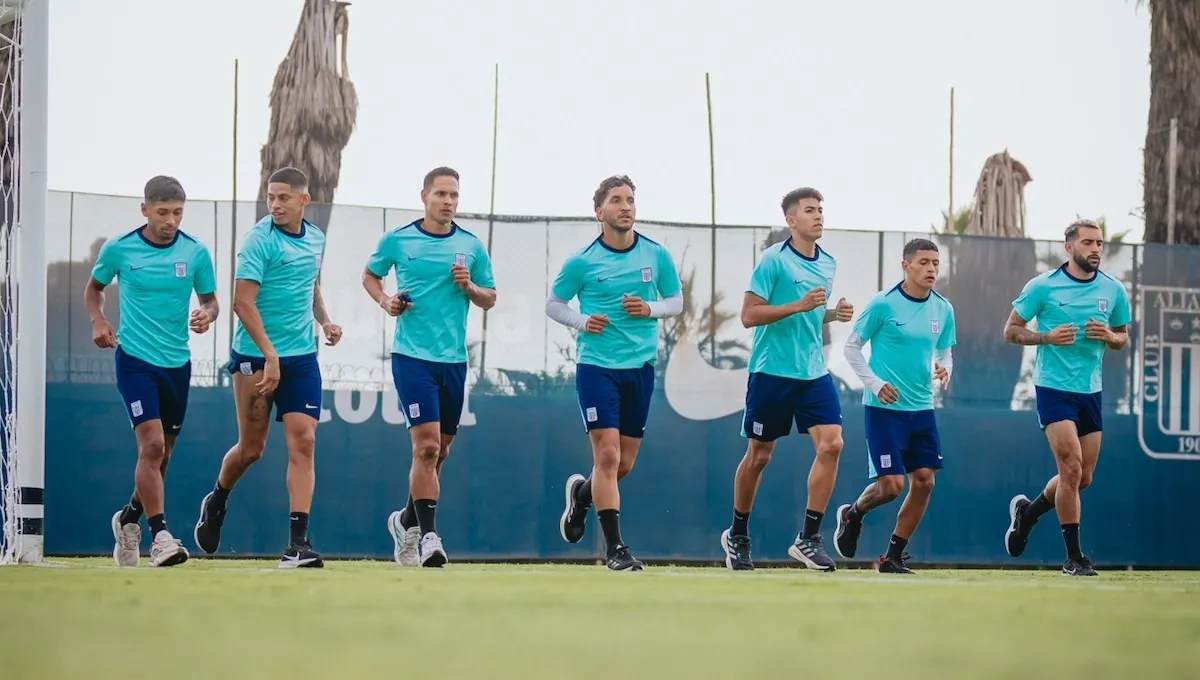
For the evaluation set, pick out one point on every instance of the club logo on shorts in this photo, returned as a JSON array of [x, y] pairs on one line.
[[933, 326], [414, 410], [757, 428], [647, 274], [1169, 413], [180, 270], [1102, 304], [885, 461], [135, 407], [460, 259], [246, 368], [591, 414]]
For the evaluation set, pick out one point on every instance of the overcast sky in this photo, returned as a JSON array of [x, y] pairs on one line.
[[851, 97]]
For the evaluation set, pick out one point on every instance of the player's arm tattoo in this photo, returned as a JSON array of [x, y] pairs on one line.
[[319, 312], [1016, 331], [93, 300], [245, 305], [208, 302]]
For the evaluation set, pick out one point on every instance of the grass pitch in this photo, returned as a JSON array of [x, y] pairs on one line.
[[242, 620]]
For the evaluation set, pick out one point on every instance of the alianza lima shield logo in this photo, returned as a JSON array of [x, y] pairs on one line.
[[1169, 398]]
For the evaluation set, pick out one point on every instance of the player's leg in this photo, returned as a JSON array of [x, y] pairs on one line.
[[1064, 442], [254, 424], [819, 411], [298, 407], [767, 417], [418, 386], [922, 460], [887, 439], [173, 387]]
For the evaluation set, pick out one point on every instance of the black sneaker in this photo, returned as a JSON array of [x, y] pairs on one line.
[[300, 555], [845, 539], [811, 552], [208, 527], [622, 559], [573, 523], [1017, 535], [1079, 567], [894, 565], [737, 551]]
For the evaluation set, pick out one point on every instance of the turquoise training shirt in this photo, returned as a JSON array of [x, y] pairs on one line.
[[904, 333], [435, 327], [154, 292], [286, 266], [1056, 298], [600, 277], [791, 347]]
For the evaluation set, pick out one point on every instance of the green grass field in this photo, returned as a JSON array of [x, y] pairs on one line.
[[240, 620]]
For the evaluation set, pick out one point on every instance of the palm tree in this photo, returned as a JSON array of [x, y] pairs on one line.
[[701, 324], [314, 107]]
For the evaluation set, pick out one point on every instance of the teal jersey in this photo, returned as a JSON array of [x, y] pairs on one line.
[[435, 328], [601, 276], [1056, 298], [286, 267], [904, 333], [154, 292], [791, 347]]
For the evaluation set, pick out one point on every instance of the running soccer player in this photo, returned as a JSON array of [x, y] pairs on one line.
[[157, 266], [625, 283], [1087, 312], [441, 269], [785, 305], [274, 359], [911, 330]]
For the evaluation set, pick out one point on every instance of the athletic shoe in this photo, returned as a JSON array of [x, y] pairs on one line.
[[208, 527], [622, 559], [845, 539], [432, 552], [1079, 567], [573, 523], [737, 551], [300, 555], [1017, 535], [128, 539], [407, 552], [811, 552], [894, 565], [167, 551]]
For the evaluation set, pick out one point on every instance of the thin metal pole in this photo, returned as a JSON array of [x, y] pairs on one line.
[[712, 191], [491, 207]]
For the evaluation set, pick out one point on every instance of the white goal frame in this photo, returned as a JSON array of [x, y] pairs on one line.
[[24, 533]]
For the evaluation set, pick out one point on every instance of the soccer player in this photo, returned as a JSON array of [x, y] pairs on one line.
[[274, 359], [158, 266], [625, 283], [911, 330], [441, 269], [1086, 312], [785, 305]]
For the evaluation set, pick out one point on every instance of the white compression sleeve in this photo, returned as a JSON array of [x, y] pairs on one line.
[[561, 312], [666, 307], [945, 359], [858, 362]]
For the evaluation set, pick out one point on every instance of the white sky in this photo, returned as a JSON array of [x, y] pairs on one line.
[[851, 97]]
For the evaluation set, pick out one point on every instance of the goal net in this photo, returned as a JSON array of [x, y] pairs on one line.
[[10, 171]]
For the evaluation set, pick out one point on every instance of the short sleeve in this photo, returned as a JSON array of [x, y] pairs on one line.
[[108, 263], [569, 280], [1029, 302], [383, 259], [481, 268], [762, 281], [949, 335], [871, 319], [1121, 315], [668, 276], [252, 258], [205, 281]]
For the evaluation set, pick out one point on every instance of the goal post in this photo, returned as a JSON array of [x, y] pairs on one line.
[[23, 164]]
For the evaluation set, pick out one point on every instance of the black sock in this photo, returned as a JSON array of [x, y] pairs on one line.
[[131, 513], [157, 523], [812, 523], [896, 547], [408, 516], [426, 509], [1040, 506], [583, 495], [740, 523], [299, 527], [855, 514], [610, 522], [1070, 534], [219, 497]]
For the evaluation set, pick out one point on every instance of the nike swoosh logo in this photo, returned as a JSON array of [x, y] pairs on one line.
[[1063, 304], [898, 324], [411, 258], [134, 269], [603, 279]]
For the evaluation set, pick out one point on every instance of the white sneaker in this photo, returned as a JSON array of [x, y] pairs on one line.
[[167, 551], [128, 539], [432, 553], [407, 550]]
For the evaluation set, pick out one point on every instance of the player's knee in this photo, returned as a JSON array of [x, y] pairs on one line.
[[443, 453], [252, 451], [1085, 479], [890, 487], [426, 452], [624, 467], [153, 449], [830, 447], [758, 456], [302, 443], [922, 482], [608, 458], [1070, 473]]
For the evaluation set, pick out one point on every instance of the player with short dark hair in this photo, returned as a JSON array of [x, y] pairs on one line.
[[785, 305], [625, 283], [274, 360], [441, 269], [157, 267], [911, 330], [1088, 312]]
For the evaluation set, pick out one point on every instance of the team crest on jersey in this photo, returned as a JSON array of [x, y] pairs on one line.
[[1102, 304], [180, 270], [1168, 404], [934, 326], [460, 259], [647, 274]]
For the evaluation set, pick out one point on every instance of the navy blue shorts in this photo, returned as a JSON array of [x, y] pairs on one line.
[[615, 397], [152, 392], [773, 403], [900, 442], [1082, 409], [299, 389], [430, 391]]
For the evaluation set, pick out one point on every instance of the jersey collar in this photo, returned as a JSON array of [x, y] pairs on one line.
[[141, 232], [419, 224]]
